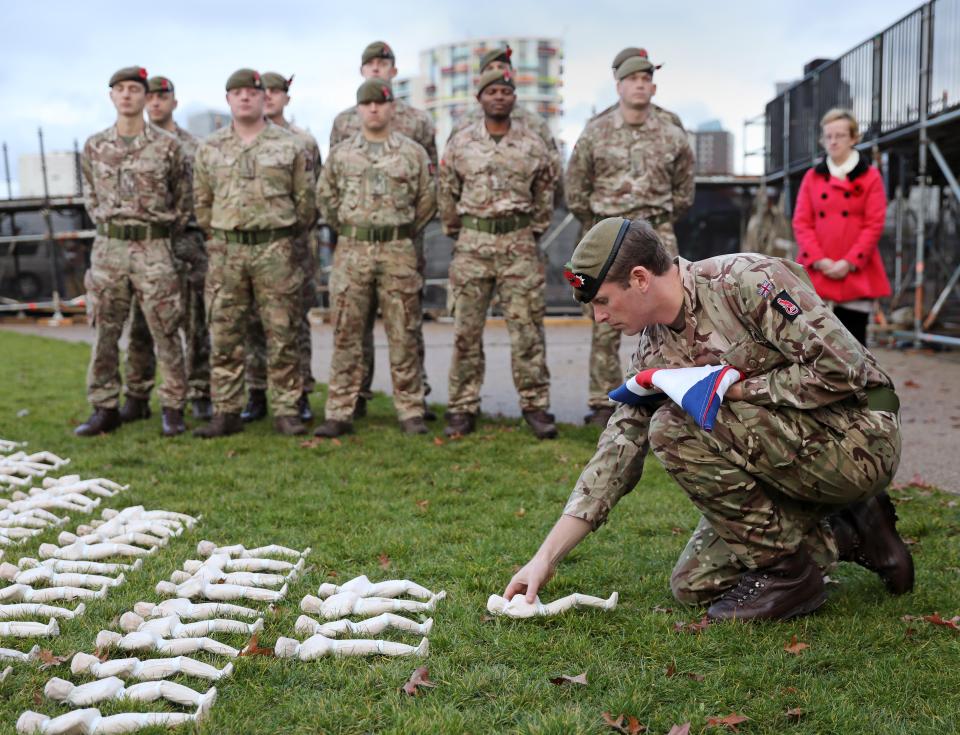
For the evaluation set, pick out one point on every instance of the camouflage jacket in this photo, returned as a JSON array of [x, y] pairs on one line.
[[265, 184], [391, 187], [415, 124], [310, 144], [762, 316], [188, 142], [671, 117], [147, 181], [483, 178], [620, 170]]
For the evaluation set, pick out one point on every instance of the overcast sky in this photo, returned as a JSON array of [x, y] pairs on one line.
[[721, 60]]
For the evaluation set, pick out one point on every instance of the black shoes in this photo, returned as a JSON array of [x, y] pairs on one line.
[[101, 421], [256, 407]]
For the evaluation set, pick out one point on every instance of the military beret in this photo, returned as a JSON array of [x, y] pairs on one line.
[[496, 54], [377, 50], [494, 76], [634, 64], [593, 257], [244, 78], [627, 53], [159, 84], [374, 90], [272, 80], [130, 74]]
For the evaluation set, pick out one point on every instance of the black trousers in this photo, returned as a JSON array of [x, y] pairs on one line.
[[854, 321]]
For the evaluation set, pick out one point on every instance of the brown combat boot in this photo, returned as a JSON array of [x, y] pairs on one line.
[[542, 423], [222, 424], [598, 416], [101, 421], [791, 587], [415, 425], [289, 425], [135, 409], [331, 429], [171, 422], [256, 407], [460, 424], [867, 535]]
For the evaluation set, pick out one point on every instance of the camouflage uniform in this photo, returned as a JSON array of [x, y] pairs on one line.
[[306, 245], [418, 126], [488, 184], [141, 186], [802, 442], [190, 257], [620, 170], [242, 192], [376, 186]]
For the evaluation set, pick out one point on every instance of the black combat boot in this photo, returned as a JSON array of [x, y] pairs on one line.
[[791, 587], [101, 421], [543, 423], [360, 408], [256, 407], [303, 407], [866, 534], [135, 409], [171, 421], [202, 409], [331, 428], [222, 424], [598, 416], [460, 424]]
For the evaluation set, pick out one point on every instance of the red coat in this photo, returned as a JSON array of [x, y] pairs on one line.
[[843, 219]]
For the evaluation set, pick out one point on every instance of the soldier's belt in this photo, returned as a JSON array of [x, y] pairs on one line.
[[377, 234], [253, 237], [882, 398], [496, 225], [133, 232]]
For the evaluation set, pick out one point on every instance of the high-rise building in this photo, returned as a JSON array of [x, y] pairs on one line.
[[713, 149], [447, 79]]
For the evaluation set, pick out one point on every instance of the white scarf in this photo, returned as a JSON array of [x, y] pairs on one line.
[[841, 171]]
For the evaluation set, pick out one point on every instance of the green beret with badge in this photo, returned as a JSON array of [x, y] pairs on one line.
[[633, 64], [130, 74], [374, 90], [377, 50], [244, 78], [495, 76], [159, 84], [496, 54], [273, 80], [593, 256]]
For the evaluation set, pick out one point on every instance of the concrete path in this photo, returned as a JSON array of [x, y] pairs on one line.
[[928, 384]]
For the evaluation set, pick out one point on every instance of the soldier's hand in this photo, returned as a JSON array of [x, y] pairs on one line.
[[530, 579]]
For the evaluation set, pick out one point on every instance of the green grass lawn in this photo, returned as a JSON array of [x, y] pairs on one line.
[[461, 516]]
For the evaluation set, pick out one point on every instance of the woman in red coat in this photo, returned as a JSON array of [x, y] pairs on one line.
[[838, 221]]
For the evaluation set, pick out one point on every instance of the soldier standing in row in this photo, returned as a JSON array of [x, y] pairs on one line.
[[632, 162], [190, 257], [379, 62], [254, 195], [136, 182], [496, 196], [377, 191], [277, 96]]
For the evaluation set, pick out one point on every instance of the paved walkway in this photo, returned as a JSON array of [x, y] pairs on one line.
[[928, 384]]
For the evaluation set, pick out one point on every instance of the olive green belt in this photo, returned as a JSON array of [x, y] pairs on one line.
[[133, 232], [882, 398], [377, 234], [496, 225], [253, 237]]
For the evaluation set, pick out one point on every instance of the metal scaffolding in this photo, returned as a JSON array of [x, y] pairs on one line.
[[903, 85]]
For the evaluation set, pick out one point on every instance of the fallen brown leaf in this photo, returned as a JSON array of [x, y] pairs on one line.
[[658, 609], [37, 698], [332, 573], [254, 649], [911, 384], [423, 504], [627, 724], [676, 531], [231, 452], [438, 441], [790, 690], [695, 677], [683, 729], [521, 513], [935, 619], [486, 618], [697, 626], [50, 659], [311, 443], [730, 721], [580, 679], [795, 646], [671, 671], [420, 678], [796, 713], [336, 442], [384, 561]]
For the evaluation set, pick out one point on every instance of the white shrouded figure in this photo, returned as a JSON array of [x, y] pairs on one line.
[[8, 445], [123, 537], [44, 460], [249, 564], [97, 485], [518, 607], [104, 690], [78, 551], [306, 625], [47, 576], [365, 588], [207, 548], [150, 669], [138, 511], [187, 610], [65, 566], [172, 627], [344, 604], [91, 722], [146, 641], [68, 501], [317, 646], [36, 609], [194, 589], [32, 518], [27, 629], [8, 654], [218, 576], [26, 593], [5, 673]]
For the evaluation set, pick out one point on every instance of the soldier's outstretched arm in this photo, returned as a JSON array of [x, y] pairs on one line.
[[202, 189], [426, 193], [566, 533], [683, 183], [449, 192], [578, 180], [304, 191]]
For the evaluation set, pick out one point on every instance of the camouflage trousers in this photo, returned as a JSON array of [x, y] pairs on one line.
[[765, 479], [141, 364], [123, 272], [508, 266], [606, 369], [240, 276], [365, 272], [256, 357]]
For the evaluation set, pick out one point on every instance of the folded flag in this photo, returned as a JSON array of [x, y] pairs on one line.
[[698, 390]]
